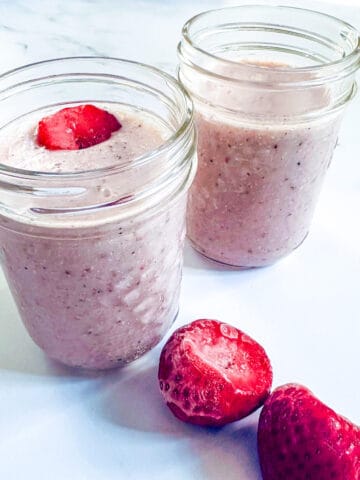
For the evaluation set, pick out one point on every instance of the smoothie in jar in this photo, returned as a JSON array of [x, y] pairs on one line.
[[95, 276], [269, 99], [255, 192]]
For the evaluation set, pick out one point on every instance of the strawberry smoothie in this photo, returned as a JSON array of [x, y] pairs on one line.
[[95, 290], [259, 174], [256, 188], [268, 97]]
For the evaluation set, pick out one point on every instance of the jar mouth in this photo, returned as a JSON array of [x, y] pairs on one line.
[[212, 22], [97, 196], [25, 77]]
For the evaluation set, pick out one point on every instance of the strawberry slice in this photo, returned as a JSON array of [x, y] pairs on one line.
[[211, 373], [77, 127], [301, 438]]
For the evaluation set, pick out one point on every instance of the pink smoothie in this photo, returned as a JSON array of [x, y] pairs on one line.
[[100, 296], [258, 180]]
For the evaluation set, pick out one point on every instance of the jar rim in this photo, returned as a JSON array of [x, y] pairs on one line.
[[174, 139], [349, 62]]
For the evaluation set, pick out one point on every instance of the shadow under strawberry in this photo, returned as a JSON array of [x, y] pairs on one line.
[[131, 399], [229, 453]]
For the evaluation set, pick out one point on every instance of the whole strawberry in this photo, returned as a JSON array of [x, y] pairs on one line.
[[211, 373], [300, 438]]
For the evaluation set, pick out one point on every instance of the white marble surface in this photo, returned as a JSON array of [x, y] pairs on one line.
[[148, 31], [55, 424]]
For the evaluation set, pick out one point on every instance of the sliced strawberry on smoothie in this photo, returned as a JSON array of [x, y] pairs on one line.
[[211, 373], [299, 437], [74, 128]]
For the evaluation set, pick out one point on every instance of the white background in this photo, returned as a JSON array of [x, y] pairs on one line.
[[56, 424]]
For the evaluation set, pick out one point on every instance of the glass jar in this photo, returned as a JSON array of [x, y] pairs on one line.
[[94, 257], [269, 86]]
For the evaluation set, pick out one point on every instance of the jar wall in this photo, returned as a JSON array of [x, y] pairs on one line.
[[253, 198], [99, 302]]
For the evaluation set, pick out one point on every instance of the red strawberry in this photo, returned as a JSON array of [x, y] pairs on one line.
[[76, 127], [211, 373], [300, 438]]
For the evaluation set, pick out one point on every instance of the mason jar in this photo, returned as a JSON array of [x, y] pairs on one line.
[[270, 85], [93, 256]]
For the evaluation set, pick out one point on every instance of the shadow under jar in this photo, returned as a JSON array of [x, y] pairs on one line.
[[93, 256], [269, 86]]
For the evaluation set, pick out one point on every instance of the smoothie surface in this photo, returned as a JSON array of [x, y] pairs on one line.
[[140, 134]]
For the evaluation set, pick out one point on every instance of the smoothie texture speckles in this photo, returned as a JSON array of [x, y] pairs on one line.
[[97, 297]]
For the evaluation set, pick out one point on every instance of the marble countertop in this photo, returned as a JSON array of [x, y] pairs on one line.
[[56, 424], [146, 31]]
